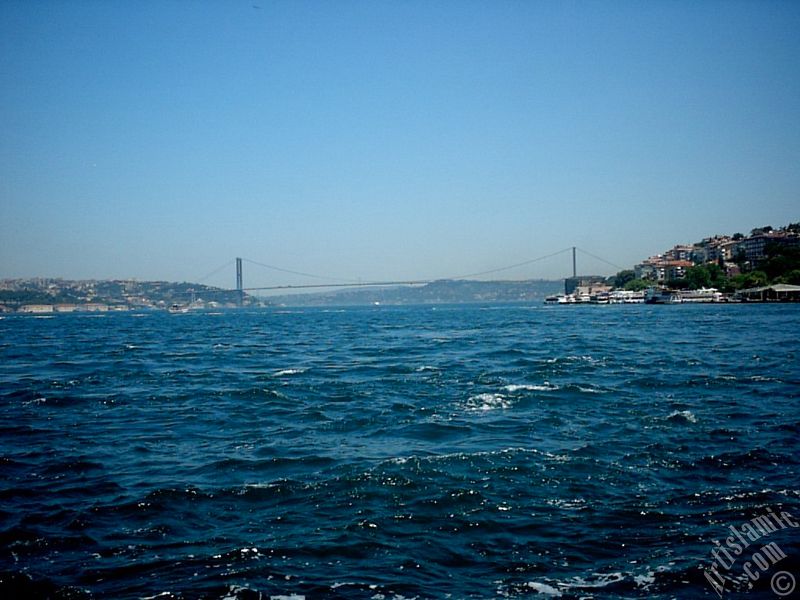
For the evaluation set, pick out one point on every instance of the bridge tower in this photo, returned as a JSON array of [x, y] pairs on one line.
[[239, 286], [574, 264]]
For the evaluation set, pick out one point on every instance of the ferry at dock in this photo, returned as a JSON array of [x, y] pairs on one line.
[[702, 295], [615, 297], [666, 296]]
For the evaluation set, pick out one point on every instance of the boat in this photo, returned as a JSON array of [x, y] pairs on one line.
[[626, 297], [604, 297], [702, 295], [665, 296], [662, 296]]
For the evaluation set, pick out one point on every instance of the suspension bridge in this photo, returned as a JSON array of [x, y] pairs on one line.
[[324, 282]]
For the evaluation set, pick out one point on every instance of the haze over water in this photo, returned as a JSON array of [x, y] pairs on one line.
[[395, 452]]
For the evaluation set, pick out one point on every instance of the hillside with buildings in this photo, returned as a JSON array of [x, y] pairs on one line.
[[731, 262], [728, 264], [41, 295]]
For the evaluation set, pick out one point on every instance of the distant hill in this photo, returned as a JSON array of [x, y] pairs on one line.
[[15, 293], [437, 292], [127, 294]]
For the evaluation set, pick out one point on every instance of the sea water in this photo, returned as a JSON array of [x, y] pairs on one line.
[[397, 452]]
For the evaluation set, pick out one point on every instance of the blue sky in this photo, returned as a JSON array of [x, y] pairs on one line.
[[388, 140]]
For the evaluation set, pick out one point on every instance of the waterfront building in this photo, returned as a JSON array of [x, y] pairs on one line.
[[659, 268], [64, 308], [779, 292], [94, 307], [588, 283], [675, 269], [679, 252], [649, 269], [755, 246], [37, 308]]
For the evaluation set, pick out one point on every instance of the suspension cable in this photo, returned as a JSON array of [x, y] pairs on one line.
[[603, 260], [215, 271], [522, 264], [311, 275]]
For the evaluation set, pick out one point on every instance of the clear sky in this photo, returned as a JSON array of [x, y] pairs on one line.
[[388, 140]]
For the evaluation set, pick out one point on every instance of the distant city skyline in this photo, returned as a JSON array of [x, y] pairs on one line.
[[388, 140]]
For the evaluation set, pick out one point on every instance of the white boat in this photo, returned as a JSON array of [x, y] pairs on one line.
[[702, 295], [559, 299], [626, 297], [662, 296]]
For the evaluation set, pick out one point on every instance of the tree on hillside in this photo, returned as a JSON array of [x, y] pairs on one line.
[[698, 277], [740, 257], [792, 277], [623, 277], [705, 276], [637, 285], [781, 259], [752, 279], [761, 230]]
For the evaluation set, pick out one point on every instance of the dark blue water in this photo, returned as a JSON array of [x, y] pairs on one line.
[[511, 451]]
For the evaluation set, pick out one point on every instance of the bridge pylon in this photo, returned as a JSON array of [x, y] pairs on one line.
[[239, 285]]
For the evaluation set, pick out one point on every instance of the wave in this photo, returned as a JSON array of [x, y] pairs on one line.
[[682, 415], [543, 387], [286, 372], [487, 402], [660, 581]]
